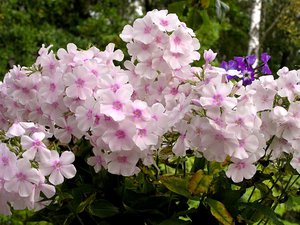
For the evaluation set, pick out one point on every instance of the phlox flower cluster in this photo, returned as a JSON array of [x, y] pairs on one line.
[[124, 112], [29, 170]]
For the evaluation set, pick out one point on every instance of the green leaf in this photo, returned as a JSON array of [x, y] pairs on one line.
[[85, 203], [102, 208], [219, 211], [253, 212], [177, 185], [199, 183]]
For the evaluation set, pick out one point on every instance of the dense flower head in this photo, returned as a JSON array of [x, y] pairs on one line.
[[126, 112]]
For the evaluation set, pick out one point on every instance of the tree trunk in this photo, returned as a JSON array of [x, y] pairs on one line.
[[253, 47]]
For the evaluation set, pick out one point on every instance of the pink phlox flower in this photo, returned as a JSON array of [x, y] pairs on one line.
[[98, 161], [34, 146], [180, 41], [247, 145], [56, 109], [145, 137], [47, 60], [80, 83], [218, 144], [144, 30], [241, 169], [24, 179], [66, 57], [217, 96], [51, 88], [145, 69], [239, 122], [209, 56], [18, 128], [47, 189], [279, 146], [123, 163], [139, 112], [85, 114], [164, 21], [108, 82], [177, 60], [27, 89], [72, 103], [109, 54], [159, 118], [121, 137], [140, 50], [263, 98], [295, 162], [67, 128], [127, 33], [288, 84], [8, 162], [82, 56], [181, 144], [159, 63], [58, 167], [197, 127], [95, 68], [114, 104], [268, 126]]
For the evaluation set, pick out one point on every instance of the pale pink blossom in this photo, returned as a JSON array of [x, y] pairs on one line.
[[98, 161], [58, 167], [241, 169], [24, 179], [123, 163], [144, 30]]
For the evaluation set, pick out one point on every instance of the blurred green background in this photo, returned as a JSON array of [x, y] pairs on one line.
[[220, 25]]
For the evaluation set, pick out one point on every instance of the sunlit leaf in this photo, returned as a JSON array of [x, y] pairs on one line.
[[176, 184], [199, 183], [219, 211]]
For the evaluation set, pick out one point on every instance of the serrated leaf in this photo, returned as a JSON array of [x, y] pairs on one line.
[[219, 211], [199, 183], [102, 208]]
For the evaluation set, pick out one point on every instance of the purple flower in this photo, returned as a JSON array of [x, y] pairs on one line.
[[248, 76], [265, 57], [250, 59]]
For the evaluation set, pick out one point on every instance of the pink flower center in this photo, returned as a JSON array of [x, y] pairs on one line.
[[122, 159], [217, 99], [68, 129], [5, 161], [240, 165], [147, 30], [177, 40], [142, 132], [219, 137], [79, 83], [25, 90], [239, 122], [120, 134], [174, 91], [89, 114], [52, 87], [97, 119], [36, 143], [98, 159], [21, 176], [56, 165], [114, 87], [164, 22], [137, 113], [117, 105]]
